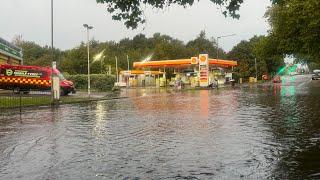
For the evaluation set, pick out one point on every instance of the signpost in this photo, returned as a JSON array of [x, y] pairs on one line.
[[203, 70]]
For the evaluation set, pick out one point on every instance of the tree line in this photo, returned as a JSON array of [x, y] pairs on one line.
[[294, 31], [295, 24], [158, 47]]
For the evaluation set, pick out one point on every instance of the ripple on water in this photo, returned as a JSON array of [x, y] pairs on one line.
[[248, 133]]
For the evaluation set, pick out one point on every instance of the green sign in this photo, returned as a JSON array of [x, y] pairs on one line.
[[9, 72], [10, 52]]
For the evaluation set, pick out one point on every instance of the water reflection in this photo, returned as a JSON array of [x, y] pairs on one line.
[[249, 132]]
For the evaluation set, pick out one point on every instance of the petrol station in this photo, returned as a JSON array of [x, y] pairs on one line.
[[194, 72]]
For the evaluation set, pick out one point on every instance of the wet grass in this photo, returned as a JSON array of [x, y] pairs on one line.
[[17, 101], [7, 102]]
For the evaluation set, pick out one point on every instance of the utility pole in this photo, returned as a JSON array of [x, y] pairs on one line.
[[52, 53], [218, 47], [255, 64], [117, 69], [128, 62], [218, 43]]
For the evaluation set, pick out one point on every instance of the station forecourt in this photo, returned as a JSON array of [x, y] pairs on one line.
[[194, 72]]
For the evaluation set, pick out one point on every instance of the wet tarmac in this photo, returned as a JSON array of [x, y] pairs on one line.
[[248, 132]]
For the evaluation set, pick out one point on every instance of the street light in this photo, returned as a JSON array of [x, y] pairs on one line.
[[117, 69], [128, 62], [88, 28], [52, 53], [218, 42]]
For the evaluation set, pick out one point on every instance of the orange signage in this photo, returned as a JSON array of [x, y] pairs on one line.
[[203, 58], [194, 60], [204, 70]]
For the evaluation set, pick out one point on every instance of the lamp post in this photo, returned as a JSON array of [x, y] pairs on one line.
[[128, 62], [218, 42], [255, 65], [117, 69], [52, 53], [88, 28]]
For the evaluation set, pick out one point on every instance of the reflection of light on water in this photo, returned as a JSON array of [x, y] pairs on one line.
[[100, 125], [288, 86], [204, 103], [292, 90], [143, 92], [288, 91]]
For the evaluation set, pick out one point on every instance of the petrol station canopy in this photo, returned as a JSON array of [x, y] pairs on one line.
[[181, 63]]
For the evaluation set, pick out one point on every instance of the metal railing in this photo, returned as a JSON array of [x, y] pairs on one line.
[[11, 101]]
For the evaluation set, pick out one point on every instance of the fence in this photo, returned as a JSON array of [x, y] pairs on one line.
[[10, 100]]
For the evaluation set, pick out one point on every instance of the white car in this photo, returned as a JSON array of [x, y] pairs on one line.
[[316, 76]]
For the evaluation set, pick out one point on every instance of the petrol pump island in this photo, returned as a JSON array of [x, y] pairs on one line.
[[194, 72]]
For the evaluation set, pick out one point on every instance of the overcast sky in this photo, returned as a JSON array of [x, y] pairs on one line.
[[31, 19]]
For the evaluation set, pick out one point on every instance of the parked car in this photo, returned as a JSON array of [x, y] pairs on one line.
[[26, 78], [316, 76], [277, 79]]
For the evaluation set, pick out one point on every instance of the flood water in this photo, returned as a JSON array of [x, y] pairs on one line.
[[248, 132]]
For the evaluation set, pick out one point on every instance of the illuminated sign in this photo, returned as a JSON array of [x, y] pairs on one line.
[[204, 70], [194, 60]]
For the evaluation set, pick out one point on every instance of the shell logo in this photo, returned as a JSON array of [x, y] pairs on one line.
[[194, 60], [203, 58]]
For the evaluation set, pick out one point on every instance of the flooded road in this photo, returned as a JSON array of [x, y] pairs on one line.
[[249, 132]]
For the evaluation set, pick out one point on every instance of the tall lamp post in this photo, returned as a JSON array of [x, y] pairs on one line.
[[52, 53], [219, 37], [88, 28], [128, 62]]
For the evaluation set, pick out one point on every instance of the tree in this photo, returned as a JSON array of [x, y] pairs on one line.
[[266, 51], [261, 48], [202, 45], [132, 11], [34, 54], [296, 25]]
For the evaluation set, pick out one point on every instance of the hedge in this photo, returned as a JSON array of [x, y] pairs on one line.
[[100, 82]]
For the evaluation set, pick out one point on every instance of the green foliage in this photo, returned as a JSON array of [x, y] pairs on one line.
[[202, 45], [100, 82], [161, 47], [313, 66], [263, 49], [295, 24], [132, 11], [35, 54]]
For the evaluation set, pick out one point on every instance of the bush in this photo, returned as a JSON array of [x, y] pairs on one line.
[[100, 82]]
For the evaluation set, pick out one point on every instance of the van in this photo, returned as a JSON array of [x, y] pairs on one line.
[[25, 78]]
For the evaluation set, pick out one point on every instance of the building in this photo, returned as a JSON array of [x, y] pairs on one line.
[[9, 53]]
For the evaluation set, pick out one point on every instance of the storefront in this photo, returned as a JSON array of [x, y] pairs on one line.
[[9, 53], [139, 78]]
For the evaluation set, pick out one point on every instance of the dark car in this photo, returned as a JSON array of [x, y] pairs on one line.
[[316, 76]]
